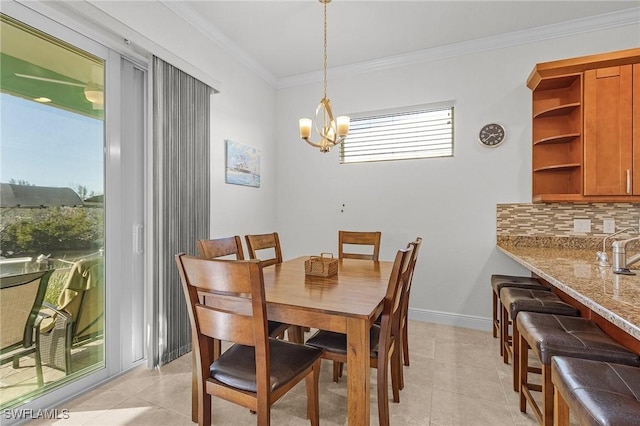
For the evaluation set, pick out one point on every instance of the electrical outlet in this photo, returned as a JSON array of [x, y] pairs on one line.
[[581, 226], [609, 226]]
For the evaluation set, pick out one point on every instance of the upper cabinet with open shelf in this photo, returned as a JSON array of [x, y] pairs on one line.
[[572, 161]]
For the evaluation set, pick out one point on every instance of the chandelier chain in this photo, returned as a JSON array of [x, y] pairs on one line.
[[325, 49], [331, 131]]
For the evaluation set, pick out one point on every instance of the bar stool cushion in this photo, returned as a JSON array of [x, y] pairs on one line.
[[598, 393], [520, 299], [550, 335], [500, 281]]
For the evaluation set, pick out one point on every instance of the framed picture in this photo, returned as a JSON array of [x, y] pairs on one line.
[[243, 165]]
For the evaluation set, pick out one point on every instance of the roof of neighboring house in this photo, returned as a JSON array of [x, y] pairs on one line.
[[36, 196]]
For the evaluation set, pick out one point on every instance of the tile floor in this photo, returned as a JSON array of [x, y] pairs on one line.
[[456, 377]]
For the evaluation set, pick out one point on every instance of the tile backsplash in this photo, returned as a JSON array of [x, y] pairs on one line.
[[557, 219]]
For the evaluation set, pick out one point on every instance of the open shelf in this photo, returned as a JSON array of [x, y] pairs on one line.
[[561, 82], [557, 111], [557, 139], [558, 167]]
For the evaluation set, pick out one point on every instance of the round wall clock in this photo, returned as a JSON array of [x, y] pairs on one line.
[[491, 135]]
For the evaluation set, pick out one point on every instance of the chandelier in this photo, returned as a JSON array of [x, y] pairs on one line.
[[331, 131]]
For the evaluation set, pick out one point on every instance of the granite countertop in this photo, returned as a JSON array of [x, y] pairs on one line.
[[575, 271]]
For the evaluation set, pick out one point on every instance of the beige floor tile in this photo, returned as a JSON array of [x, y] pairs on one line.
[[456, 377], [453, 409], [482, 383], [137, 411]]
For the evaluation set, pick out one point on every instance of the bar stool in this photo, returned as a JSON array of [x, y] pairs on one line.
[[515, 300], [557, 335], [597, 393], [500, 281]]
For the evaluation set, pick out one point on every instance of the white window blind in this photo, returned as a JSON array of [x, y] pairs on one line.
[[419, 133]]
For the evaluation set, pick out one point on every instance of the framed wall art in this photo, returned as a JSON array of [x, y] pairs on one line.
[[243, 165]]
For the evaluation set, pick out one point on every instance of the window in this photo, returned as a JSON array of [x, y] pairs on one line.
[[417, 132]]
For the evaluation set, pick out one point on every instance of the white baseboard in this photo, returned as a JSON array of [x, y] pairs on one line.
[[447, 318]]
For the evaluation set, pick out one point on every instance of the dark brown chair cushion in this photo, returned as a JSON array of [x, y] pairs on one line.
[[236, 367], [337, 342], [273, 326], [550, 335], [598, 393], [519, 299], [500, 281]]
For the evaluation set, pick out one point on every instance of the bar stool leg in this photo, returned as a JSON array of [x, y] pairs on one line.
[[496, 320], [504, 335], [523, 367], [560, 409], [516, 356], [547, 396]]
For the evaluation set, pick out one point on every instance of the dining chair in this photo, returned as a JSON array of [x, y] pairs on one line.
[[256, 370], [359, 238], [21, 297], [404, 314], [229, 246], [261, 242], [384, 338]]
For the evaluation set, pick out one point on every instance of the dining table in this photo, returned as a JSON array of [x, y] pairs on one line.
[[347, 302]]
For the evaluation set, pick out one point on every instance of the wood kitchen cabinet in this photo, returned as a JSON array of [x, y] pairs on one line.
[[608, 132], [586, 128]]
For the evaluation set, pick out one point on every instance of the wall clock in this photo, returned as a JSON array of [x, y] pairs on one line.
[[491, 135]]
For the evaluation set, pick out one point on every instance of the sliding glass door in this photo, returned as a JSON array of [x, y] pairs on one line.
[[71, 202]]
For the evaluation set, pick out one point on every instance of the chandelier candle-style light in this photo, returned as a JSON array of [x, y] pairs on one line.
[[331, 131]]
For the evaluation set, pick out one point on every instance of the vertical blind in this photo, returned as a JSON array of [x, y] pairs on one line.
[[181, 199], [419, 133]]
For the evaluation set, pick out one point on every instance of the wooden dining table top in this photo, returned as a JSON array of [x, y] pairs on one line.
[[356, 290]]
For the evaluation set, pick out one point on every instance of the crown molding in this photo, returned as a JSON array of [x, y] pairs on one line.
[[214, 34], [621, 18], [568, 28]]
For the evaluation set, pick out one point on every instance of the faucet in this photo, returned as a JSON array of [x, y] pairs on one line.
[[620, 261], [603, 259]]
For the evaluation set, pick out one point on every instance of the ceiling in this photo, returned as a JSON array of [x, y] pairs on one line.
[[37, 66], [284, 38]]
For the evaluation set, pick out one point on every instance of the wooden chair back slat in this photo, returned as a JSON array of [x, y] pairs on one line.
[[359, 238], [220, 247], [259, 242], [218, 276], [226, 326]]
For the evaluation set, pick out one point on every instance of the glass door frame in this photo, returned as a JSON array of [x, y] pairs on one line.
[[117, 224]]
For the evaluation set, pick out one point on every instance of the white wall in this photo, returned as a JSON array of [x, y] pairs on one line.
[[450, 202], [243, 111]]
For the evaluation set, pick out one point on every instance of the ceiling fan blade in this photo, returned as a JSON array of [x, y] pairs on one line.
[[50, 80]]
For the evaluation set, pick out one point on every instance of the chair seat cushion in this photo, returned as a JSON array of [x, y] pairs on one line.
[[500, 281], [337, 342], [273, 326], [550, 335], [598, 393], [236, 367], [520, 299]]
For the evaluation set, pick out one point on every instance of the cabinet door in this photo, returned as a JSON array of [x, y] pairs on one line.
[[608, 148]]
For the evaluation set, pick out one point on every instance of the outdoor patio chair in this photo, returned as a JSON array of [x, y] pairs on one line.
[[78, 317], [21, 297]]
